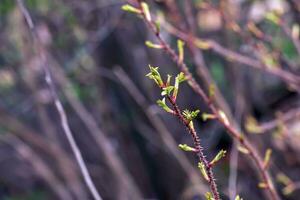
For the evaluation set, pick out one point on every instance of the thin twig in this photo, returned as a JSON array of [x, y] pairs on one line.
[[198, 147], [230, 129], [62, 114]]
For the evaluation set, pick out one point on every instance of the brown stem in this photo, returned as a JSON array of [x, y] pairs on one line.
[[198, 147], [230, 129]]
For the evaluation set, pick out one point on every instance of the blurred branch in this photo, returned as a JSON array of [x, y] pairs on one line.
[[62, 114], [41, 168]]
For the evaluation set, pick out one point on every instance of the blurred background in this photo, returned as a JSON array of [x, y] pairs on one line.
[[98, 59]]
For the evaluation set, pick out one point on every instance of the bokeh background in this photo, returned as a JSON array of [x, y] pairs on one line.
[[98, 60]]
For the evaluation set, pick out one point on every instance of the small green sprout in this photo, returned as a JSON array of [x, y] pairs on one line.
[[209, 196], [180, 46], [252, 126], [167, 90], [185, 147], [207, 116], [243, 149], [146, 11], [267, 158], [238, 198], [224, 117], [203, 170], [212, 91], [273, 17], [155, 75], [218, 157], [152, 45], [262, 185], [202, 44], [178, 79], [163, 105], [168, 80], [130, 8], [190, 115]]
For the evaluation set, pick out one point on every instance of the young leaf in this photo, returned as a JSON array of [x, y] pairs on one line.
[[288, 189], [224, 117], [154, 74], [178, 79], [190, 115], [131, 9], [168, 80], [202, 44], [203, 170], [267, 158], [273, 17], [185, 147], [263, 185], [163, 105], [180, 46], [146, 11], [211, 91], [238, 198], [167, 90], [295, 31], [218, 157], [206, 116], [242, 149], [252, 125], [209, 196], [152, 45]]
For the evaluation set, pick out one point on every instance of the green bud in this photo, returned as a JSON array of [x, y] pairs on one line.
[[154, 74], [167, 90], [190, 115], [180, 45], [206, 116], [267, 158], [243, 149], [209, 196], [131, 9], [152, 45], [203, 170], [218, 157], [178, 79], [252, 126], [146, 11], [168, 80], [163, 105], [185, 147]]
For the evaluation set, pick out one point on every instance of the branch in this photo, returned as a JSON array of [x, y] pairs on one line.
[[62, 114]]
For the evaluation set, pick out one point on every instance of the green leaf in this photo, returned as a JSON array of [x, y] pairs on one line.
[[218, 157], [209, 196], [273, 17], [130, 8], [152, 45], [146, 11], [206, 116], [185, 147], [168, 80], [243, 149], [190, 115], [178, 79], [267, 158], [163, 105], [203, 170], [180, 45], [224, 117], [155, 75], [252, 126], [167, 90]]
